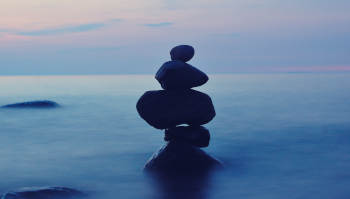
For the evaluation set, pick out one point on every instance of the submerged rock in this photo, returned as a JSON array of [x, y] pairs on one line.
[[33, 104], [165, 109], [181, 158], [197, 136], [44, 193], [182, 52], [179, 75]]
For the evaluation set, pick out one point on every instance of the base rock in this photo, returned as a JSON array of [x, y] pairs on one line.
[[181, 158]]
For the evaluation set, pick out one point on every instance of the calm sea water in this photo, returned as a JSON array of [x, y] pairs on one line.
[[279, 135]]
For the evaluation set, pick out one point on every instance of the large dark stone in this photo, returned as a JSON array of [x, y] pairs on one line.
[[165, 109], [181, 158], [44, 193], [197, 136], [33, 104], [182, 53], [179, 75]]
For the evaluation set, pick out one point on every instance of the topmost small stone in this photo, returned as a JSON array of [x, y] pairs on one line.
[[182, 53]]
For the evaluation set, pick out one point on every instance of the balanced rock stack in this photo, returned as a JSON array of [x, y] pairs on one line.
[[178, 104]]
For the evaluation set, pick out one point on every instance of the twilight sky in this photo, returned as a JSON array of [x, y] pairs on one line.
[[39, 37]]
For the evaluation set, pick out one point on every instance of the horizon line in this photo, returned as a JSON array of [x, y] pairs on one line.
[[140, 74]]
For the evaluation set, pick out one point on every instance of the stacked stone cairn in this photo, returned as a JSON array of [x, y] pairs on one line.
[[175, 106]]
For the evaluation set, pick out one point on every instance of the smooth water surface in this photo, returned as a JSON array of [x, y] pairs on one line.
[[279, 135]]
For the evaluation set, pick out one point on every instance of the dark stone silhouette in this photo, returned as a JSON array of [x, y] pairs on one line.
[[182, 158], [44, 193], [197, 136], [179, 75], [182, 53], [33, 104], [180, 169], [165, 109]]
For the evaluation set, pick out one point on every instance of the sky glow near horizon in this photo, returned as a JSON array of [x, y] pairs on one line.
[[120, 36]]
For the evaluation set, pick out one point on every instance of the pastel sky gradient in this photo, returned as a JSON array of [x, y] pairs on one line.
[[41, 37]]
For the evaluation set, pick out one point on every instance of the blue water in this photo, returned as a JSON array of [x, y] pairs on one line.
[[279, 135]]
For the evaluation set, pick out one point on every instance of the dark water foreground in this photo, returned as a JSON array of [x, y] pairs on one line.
[[279, 136]]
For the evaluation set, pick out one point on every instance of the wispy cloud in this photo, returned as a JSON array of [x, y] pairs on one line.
[[82, 50], [161, 24], [62, 30]]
